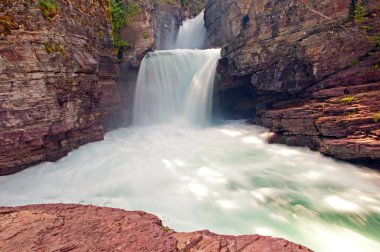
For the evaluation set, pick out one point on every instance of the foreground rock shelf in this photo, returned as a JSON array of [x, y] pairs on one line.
[[62, 227]]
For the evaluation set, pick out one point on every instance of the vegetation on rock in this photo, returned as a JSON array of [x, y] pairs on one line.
[[348, 99], [53, 48], [376, 117], [360, 12], [122, 16], [50, 8], [375, 39]]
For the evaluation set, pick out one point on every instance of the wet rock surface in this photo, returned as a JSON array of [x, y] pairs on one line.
[[303, 69], [88, 228]]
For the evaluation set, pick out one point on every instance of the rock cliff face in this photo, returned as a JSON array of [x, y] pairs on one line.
[[89, 228], [303, 69], [56, 79]]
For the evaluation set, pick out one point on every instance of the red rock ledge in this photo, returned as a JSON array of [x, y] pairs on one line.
[[88, 228]]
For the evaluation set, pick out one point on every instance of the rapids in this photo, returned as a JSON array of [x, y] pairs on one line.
[[224, 178]]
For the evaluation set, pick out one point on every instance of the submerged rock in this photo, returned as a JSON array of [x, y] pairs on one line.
[[88, 228]]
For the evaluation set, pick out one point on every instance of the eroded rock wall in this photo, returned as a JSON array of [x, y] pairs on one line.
[[306, 69], [56, 79]]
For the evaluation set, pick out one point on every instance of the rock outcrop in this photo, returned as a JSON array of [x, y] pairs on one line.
[[56, 78], [309, 70], [88, 228]]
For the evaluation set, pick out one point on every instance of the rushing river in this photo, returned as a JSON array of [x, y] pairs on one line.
[[224, 177]]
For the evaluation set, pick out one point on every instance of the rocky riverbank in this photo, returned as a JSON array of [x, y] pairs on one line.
[[308, 70], [88, 228]]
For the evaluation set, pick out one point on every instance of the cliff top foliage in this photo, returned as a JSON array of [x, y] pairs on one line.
[[122, 15]]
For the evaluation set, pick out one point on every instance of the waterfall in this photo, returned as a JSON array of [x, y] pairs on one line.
[[192, 33], [177, 84]]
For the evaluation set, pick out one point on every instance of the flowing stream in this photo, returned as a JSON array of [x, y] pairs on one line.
[[224, 177]]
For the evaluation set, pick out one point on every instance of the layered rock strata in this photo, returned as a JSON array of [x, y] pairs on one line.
[[308, 70], [89, 228], [56, 79]]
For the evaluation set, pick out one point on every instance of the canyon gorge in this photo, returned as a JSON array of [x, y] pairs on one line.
[[238, 116]]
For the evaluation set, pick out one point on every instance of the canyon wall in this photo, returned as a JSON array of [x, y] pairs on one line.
[[308, 70], [56, 79]]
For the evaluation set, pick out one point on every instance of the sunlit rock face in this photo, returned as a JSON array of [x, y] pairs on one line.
[[56, 80], [303, 70], [115, 230]]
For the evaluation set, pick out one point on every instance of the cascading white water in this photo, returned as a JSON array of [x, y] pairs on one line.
[[175, 84], [224, 178], [192, 34]]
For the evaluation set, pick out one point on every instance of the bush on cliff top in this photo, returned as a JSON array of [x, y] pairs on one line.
[[50, 8], [122, 16]]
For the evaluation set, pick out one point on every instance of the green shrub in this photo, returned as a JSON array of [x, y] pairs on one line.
[[355, 62], [366, 27], [122, 16], [167, 229], [49, 8], [52, 48], [376, 117], [360, 12], [375, 39], [49, 47], [348, 99]]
